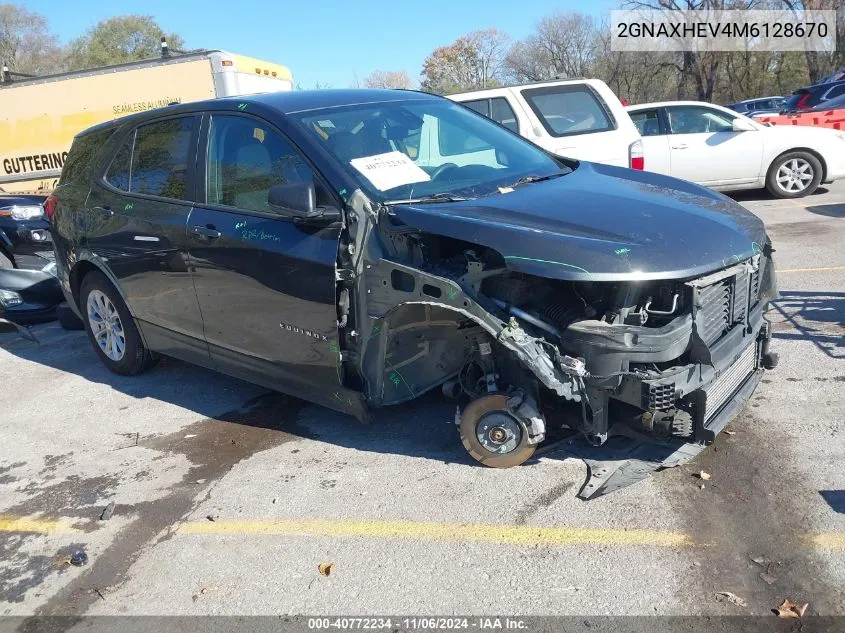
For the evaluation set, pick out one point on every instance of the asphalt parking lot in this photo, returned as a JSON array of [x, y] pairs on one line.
[[228, 498]]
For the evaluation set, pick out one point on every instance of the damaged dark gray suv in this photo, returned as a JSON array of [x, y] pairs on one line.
[[358, 248]]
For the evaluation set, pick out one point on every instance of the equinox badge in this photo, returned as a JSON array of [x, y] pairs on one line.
[[299, 330]]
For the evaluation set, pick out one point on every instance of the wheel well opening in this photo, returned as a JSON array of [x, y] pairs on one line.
[[76, 276]]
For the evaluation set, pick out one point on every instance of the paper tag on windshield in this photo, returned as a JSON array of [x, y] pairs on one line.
[[389, 170]]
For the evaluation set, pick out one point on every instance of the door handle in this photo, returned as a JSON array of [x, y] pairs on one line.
[[681, 146], [104, 210], [205, 233]]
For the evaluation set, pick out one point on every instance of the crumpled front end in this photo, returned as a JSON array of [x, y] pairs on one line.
[[668, 361], [689, 376]]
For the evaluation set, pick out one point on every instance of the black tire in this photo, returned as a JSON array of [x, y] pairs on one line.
[[136, 357], [67, 318], [779, 191]]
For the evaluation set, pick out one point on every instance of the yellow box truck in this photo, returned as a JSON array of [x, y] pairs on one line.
[[39, 116]]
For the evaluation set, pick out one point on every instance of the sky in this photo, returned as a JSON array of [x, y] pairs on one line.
[[321, 42]]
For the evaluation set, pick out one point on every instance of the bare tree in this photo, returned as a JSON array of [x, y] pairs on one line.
[[562, 45], [819, 63], [388, 79], [701, 68], [26, 43]]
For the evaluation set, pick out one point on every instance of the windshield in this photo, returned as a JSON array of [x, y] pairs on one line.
[[418, 149]]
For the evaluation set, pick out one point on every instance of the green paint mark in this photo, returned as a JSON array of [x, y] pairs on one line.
[[374, 332], [452, 294], [396, 378], [334, 347], [546, 261], [128, 206], [342, 193], [622, 251], [243, 106], [755, 248]]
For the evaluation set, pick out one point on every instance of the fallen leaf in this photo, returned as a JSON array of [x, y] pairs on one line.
[[789, 609], [733, 598], [61, 560], [325, 569], [208, 588], [768, 578], [730, 432], [761, 560], [705, 476]]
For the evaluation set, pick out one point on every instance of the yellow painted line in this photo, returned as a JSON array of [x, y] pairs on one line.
[[830, 540], [501, 534], [809, 270], [39, 526]]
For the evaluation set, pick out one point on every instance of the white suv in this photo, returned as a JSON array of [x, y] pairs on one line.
[[576, 118]]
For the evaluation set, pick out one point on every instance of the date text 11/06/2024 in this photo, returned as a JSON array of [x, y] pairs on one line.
[[420, 623]]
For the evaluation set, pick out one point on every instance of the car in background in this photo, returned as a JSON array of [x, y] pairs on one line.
[[836, 103], [838, 75], [759, 107], [805, 99], [719, 148], [573, 118], [25, 240], [30, 296]]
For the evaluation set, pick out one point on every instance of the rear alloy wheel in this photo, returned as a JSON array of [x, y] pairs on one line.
[[492, 435], [111, 328], [794, 175]]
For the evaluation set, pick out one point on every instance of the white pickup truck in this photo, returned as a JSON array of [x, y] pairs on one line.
[[576, 118]]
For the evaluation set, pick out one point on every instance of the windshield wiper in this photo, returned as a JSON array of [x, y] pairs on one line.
[[533, 178], [437, 197]]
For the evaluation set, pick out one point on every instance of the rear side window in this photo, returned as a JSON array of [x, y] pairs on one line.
[[497, 109], [161, 157], [482, 106], [82, 153], [647, 122], [502, 112], [569, 110]]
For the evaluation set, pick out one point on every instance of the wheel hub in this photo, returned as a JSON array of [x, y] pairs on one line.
[[499, 432], [106, 326], [794, 175]]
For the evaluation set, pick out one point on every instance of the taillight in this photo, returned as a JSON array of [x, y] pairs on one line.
[[802, 102], [50, 206], [636, 159]]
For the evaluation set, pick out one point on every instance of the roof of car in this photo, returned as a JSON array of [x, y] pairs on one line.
[[759, 99], [303, 100], [661, 104], [286, 102]]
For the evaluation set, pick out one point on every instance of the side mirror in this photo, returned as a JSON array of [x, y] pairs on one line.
[[297, 199], [743, 125]]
